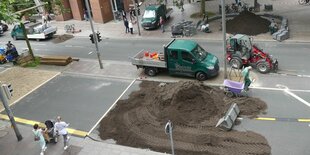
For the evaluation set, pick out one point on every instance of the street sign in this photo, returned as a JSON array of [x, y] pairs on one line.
[[168, 127]]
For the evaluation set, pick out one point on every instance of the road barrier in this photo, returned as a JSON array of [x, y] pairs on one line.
[[227, 122]]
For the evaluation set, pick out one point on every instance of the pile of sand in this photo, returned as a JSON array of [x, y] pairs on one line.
[[194, 110], [247, 23]]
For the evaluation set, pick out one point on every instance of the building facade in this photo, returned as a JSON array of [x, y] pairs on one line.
[[101, 10]]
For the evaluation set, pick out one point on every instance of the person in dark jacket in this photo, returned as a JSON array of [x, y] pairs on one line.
[[126, 25]]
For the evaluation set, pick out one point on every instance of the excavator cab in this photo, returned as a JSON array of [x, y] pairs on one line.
[[240, 52], [240, 46]]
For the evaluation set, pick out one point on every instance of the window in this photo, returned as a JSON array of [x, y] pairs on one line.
[[187, 57], [149, 14], [174, 55], [200, 53]]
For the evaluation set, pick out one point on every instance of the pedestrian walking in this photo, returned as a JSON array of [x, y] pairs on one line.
[[86, 15], [132, 14], [126, 25], [162, 22], [124, 15], [38, 137], [49, 17], [246, 77], [130, 27], [61, 129], [44, 19]]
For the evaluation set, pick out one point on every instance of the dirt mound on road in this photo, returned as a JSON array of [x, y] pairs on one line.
[[248, 23], [62, 38], [194, 110]]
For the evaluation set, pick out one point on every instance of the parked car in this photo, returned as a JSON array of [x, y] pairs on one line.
[[4, 27], [36, 31]]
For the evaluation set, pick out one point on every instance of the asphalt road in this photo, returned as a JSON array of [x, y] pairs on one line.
[[293, 57], [63, 95], [80, 100]]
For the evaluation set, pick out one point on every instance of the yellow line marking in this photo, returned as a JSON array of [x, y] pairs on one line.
[[31, 122], [303, 120], [266, 118]]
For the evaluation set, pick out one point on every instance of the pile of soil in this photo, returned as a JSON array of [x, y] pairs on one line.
[[194, 110], [61, 38], [247, 23]]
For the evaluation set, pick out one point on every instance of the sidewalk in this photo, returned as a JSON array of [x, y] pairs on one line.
[[27, 146], [298, 23]]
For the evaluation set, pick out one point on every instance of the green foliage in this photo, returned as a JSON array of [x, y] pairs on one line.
[[8, 9], [33, 63]]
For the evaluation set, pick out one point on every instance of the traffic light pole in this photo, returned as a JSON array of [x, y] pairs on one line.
[[94, 34], [137, 15], [224, 36], [9, 113]]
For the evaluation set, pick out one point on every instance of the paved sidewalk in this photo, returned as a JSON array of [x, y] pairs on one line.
[[78, 146], [296, 14]]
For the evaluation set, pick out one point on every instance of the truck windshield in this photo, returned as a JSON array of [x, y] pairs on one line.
[[200, 53], [149, 14]]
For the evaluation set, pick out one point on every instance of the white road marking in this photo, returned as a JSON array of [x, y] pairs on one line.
[[288, 91], [74, 46], [112, 106], [38, 44], [90, 52], [281, 89], [297, 97]]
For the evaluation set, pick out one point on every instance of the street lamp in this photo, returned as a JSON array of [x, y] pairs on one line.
[[224, 36]]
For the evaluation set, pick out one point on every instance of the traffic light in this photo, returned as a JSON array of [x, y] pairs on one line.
[[98, 36], [92, 38], [8, 90]]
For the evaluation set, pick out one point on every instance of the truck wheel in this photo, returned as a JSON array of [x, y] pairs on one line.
[[263, 67], [201, 76], [150, 71], [236, 62]]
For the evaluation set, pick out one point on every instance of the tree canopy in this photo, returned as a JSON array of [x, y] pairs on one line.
[[8, 9]]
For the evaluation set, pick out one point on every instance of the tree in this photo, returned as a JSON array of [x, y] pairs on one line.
[[202, 7], [8, 9]]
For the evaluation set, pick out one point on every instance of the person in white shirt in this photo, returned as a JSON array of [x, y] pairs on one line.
[[130, 27], [61, 129], [44, 19]]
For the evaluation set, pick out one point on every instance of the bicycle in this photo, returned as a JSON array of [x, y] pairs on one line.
[[118, 15], [70, 28], [303, 2]]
